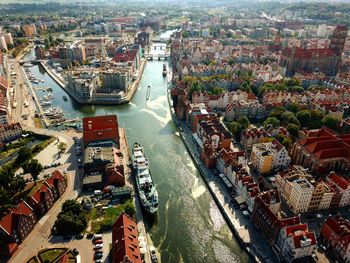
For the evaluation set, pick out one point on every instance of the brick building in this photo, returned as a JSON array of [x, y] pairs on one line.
[[100, 128]]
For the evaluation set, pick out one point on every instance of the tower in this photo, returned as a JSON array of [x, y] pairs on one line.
[[338, 39]]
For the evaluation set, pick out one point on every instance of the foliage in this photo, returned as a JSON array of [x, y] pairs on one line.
[[285, 141], [72, 219], [236, 127], [272, 121], [293, 130], [304, 118], [331, 122], [33, 167], [50, 255], [62, 147]]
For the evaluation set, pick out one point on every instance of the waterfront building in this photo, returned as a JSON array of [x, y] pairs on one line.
[[10, 132], [115, 79], [102, 163], [322, 151], [296, 242], [39, 52], [125, 243], [83, 84], [336, 233], [142, 38], [267, 218]]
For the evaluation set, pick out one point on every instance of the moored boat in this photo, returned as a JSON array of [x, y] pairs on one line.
[[145, 186]]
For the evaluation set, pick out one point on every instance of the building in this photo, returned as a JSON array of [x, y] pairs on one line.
[[266, 216], [251, 110], [15, 227], [249, 137], [342, 188], [336, 233], [3, 45], [325, 60], [39, 52], [10, 132], [300, 196], [125, 244], [29, 30], [100, 128], [268, 156], [115, 79], [296, 242], [322, 151]]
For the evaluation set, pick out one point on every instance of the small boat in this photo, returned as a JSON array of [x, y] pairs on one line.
[[35, 81], [27, 65], [148, 92], [65, 98], [49, 89], [45, 103], [164, 73]]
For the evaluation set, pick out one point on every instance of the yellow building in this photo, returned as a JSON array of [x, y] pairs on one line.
[[262, 157]]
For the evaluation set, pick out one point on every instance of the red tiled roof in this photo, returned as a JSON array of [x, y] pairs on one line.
[[55, 175], [125, 240], [339, 180], [8, 223]]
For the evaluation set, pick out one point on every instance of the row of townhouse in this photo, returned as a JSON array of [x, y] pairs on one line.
[[304, 194], [221, 101], [10, 132], [288, 236], [249, 109], [335, 233], [269, 156], [20, 221]]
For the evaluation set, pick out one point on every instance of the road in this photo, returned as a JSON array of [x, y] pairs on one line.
[[40, 237]]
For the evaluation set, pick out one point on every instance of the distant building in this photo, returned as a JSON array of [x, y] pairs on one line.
[[29, 30], [336, 233], [115, 80], [39, 52], [3, 45], [125, 243], [326, 60]]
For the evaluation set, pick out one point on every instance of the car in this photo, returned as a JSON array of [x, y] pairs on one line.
[[98, 236], [89, 235], [98, 241], [319, 215], [98, 255], [98, 261], [79, 236], [153, 253], [98, 246], [75, 251]]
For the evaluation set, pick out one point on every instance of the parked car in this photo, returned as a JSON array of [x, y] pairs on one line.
[[98, 241], [89, 235], [98, 236], [153, 253], [98, 255], [98, 246]]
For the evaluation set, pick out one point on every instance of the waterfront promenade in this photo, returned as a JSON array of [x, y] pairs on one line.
[[242, 227]]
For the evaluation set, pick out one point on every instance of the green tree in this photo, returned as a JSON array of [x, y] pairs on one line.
[[272, 121], [285, 141], [293, 130], [243, 122], [234, 128], [304, 118], [293, 107], [316, 119], [331, 122], [33, 167], [130, 210]]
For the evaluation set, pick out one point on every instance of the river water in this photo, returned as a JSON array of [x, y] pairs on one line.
[[189, 226]]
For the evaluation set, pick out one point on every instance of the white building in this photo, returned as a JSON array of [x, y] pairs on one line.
[[301, 195]]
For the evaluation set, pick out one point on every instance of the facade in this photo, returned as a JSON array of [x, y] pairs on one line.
[[10, 132], [15, 227], [249, 137], [125, 244], [336, 233], [300, 196], [296, 242], [39, 52], [268, 156], [29, 30], [3, 45], [251, 110], [341, 186], [115, 80]]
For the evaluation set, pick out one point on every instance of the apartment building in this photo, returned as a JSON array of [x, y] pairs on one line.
[[300, 196], [10, 132]]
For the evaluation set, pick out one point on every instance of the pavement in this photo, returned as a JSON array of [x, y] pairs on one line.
[[41, 237]]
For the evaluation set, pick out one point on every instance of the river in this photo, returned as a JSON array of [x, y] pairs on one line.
[[189, 226]]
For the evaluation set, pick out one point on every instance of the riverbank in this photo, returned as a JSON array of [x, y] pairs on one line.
[[111, 101], [241, 227]]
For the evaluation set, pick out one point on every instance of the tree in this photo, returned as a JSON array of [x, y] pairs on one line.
[[293, 107], [24, 154], [130, 209], [284, 140], [304, 118], [234, 128], [277, 112], [272, 121], [33, 167], [243, 122], [331, 122], [293, 130], [62, 147], [316, 119]]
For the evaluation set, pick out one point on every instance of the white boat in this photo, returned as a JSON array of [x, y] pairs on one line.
[[27, 65]]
